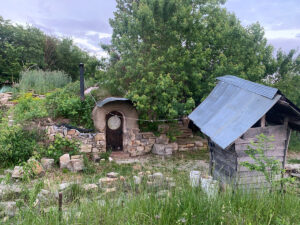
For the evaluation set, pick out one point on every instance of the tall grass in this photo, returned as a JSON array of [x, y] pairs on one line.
[[42, 82], [184, 205]]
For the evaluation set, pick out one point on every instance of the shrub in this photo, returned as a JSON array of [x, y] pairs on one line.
[[29, 108], [66, 103], [43, 81], [268, 166], [59, 147], [16, 144]]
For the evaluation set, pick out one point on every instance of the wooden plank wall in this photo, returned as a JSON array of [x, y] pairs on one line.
[[278, 151], [225, 163]]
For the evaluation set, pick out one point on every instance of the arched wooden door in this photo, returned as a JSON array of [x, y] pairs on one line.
[[114, 131]]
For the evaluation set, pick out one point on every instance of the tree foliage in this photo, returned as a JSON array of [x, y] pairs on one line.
[[23, 48], [286, 75], [166, 54]]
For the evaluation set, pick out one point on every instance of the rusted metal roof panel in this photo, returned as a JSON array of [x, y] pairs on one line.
[[110, 99], [232, 108]]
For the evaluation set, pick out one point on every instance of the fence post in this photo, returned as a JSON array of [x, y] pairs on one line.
[[60, 197]]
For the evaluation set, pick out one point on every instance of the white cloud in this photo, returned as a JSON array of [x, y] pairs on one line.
[[84, 43], [99, 34], [288, 34]]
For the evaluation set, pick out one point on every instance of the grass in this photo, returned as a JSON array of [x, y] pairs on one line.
[[184, 206], [43, 81], [141, 204], [295, 161]]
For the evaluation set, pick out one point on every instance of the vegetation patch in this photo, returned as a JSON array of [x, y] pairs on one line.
[[43, 81], [29, 107]]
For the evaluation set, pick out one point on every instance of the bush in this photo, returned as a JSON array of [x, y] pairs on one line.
[[59, 147], [16, 144], [66, 103], [43, 81], [29, 108]]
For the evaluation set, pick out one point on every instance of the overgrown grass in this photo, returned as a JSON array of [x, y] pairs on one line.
[[144, 204], [294, 144], [43, 81], [184, 205]]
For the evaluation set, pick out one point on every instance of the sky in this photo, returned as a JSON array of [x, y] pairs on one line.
[[87, 22]]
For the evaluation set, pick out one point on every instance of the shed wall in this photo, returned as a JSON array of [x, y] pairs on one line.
[[229, 160]]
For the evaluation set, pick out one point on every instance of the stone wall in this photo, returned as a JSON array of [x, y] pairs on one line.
[[91, 143], [136, 143]]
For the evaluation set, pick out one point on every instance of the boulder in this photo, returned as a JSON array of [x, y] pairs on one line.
[[161, 149], [109, 190], [112, 175], [293, 168], [158, 149], [64, 186], [90, 187], [47, 163], [18, 172], [36, 167], [158, 176], [137, 180], [199, 144], [64, 161], [107, 182], [162, 139], [9, 208], [76, 165]]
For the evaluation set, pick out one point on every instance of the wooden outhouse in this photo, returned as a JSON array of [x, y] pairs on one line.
[[232, 115]]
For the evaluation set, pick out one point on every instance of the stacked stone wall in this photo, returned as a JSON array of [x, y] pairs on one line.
[[135, 142]]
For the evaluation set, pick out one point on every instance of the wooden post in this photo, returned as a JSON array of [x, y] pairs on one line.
[[81, 69], [60, 205], [263, 121]]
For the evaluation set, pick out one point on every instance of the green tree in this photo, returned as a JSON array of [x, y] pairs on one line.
[[166, 54], [24, 48], [286, 75]]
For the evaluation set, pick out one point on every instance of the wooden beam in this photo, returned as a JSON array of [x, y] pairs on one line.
[[286, 122], [263, 121]]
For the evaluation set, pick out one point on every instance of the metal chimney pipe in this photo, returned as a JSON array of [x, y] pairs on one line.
[[81, 69]]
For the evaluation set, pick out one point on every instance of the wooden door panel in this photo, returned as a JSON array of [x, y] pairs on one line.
[[114, 131]]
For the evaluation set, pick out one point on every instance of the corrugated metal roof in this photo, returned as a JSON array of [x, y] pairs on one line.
[[110, 99], [256, 88], [232, 108]]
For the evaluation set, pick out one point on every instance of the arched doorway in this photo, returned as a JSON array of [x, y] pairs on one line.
[[114, 131]]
